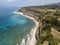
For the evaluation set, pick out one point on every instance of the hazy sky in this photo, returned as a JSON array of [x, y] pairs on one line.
[[19, 3]]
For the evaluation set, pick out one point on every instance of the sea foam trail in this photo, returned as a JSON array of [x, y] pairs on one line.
[[31, 40], [28, 40], [23, 42]]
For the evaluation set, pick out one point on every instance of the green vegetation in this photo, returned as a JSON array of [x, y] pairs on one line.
[[41, 41], [49, 19], [57, 13], [48, 37]]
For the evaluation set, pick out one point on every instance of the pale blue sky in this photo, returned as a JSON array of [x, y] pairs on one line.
[[19, 3]]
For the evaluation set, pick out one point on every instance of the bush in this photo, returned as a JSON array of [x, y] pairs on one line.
[[41, 41], [57, 14], [52, 40]]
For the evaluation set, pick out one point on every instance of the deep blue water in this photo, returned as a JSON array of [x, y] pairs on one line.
[[13, 27]]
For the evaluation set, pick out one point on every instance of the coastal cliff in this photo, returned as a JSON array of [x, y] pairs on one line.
[[48, 30]]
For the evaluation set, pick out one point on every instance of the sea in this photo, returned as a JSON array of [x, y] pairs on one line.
[[13, 27]]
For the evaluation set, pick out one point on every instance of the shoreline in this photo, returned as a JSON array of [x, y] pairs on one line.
[[33, 31]]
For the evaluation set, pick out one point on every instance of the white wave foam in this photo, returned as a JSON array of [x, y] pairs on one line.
[[23, 42], [31, 40]]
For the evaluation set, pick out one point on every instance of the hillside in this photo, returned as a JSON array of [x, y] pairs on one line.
[[48, 17]]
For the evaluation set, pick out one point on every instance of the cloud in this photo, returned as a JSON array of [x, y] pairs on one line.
[[33, 0], [26, 2], [9, 0], [5, 1]]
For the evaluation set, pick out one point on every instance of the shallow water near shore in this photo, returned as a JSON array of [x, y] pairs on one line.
[[13, 27]]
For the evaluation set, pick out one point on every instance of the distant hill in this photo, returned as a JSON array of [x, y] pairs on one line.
[[53, 6], [56, 5]]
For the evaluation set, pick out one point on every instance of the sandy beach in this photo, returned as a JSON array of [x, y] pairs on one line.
[[33, 32]]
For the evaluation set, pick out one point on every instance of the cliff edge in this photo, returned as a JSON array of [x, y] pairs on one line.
[[49, 23]]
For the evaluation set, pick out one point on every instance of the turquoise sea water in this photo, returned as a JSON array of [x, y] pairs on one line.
[[13, 27]]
